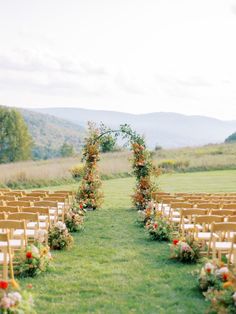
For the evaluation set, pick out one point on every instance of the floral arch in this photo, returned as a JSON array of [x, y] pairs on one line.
[[89, 193]]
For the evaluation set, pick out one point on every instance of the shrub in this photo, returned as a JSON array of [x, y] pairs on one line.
[[171, 164], [77, 171]]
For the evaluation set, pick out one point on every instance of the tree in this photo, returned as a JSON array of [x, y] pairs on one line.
[[107, 143], [15, 140], [231, 138], [67, 150]]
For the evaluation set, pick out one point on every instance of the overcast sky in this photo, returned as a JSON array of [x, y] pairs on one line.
[[126, 55]]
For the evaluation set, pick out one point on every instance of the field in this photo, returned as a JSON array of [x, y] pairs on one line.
[[115, 268], [113, 165]]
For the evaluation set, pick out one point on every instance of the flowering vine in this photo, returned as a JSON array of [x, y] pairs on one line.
[[89, 193]]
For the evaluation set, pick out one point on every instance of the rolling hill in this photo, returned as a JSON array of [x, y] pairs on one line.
[[160, 128], [49, 133]]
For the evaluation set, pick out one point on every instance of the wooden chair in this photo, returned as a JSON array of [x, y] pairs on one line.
[[31, 223], [232, 253], [9, 209], [15, 193], [205, 221], [175, 209], [17, 229], [3, 215], [40, 194], [221, 238], [187, 217], [229, 206], [53, 208], [29, 198], [19, 203], [223, 212], [7, 198], [44, 215], [6, 257]]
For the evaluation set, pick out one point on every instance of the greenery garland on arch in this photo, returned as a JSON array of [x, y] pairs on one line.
[[89, 193]]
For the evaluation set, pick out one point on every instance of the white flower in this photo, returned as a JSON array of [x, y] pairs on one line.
[[40, 235], [60, 225], [209, 267], [34, 250], [15, 297]]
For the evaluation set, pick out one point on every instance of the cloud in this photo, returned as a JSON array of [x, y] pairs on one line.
[[128, 84], [44, 72], [233, 8], [37, 61]]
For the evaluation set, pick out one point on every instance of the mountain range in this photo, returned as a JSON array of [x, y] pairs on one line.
[[159, 128], [49, 133]]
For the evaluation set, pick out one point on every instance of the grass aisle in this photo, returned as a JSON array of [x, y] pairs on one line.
[[114, 268]]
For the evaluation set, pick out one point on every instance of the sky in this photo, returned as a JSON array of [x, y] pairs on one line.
[[134, 56]]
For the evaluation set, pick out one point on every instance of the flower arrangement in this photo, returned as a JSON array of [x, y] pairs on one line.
[[142, 167], [146, 214], [13, 301], [89, 193], [214, 274], [159, 229], [59, 237], [35, 260], [186, 250], [222, 301], [74, 221], [218, 284]]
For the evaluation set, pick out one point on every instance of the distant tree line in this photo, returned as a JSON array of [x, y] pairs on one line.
[[15, 141]]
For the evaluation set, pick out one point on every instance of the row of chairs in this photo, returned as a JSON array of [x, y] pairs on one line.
[[25, 218], [214, 228]]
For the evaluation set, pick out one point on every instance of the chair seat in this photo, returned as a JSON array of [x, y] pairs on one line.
[[203, 235], [19, 232], [191, 226], [2, 259], [14, 243], [222, 245], [42, 225]]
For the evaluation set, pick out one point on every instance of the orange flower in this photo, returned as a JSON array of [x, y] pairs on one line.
[[227, 284]]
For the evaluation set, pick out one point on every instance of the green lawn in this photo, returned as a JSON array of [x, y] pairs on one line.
[[115, 268]]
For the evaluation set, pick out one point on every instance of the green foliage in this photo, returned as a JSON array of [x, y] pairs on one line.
[[107, 143], [67, 150], [231, 138], [15, 141]]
